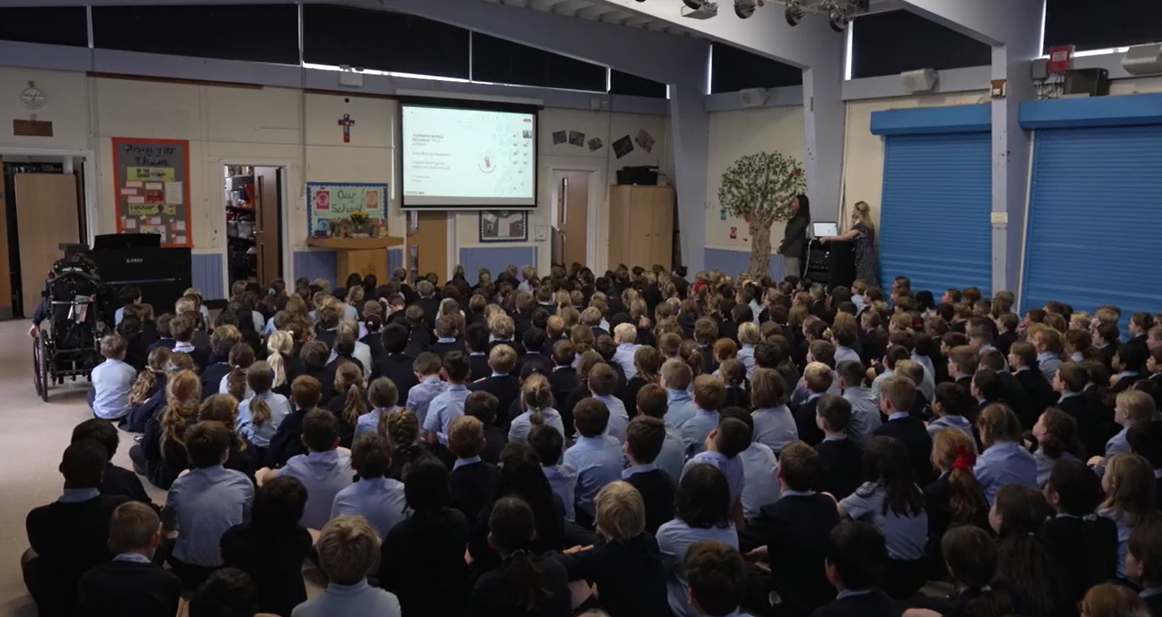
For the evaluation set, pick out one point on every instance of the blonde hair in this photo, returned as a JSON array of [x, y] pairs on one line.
[[132, 527], [348, 549], [862, 213], [1131, 488], [748, 333], [280, 342], [349, 380], [1138, 405], [147, 379], [1110, 600], [626, 333], [183, 394], [621, 512]]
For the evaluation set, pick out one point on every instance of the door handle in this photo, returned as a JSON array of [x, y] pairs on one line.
[[564, 202]]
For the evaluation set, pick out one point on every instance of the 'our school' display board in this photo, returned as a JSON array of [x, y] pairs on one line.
[[335, 201], [151, 188]]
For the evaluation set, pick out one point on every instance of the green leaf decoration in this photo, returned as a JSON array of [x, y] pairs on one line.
[[760, 187]]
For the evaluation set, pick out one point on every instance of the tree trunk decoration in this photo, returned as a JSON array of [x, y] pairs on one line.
[[759, 188]]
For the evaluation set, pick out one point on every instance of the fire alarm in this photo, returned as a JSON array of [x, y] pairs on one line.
[[1061, 58]]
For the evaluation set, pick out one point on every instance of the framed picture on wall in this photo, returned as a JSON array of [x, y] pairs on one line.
[[504, 226]]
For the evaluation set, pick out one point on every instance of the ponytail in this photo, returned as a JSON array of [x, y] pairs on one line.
[[280, 344], [967, 503], [236, 383], [140, 392], [278, 366], [354, 406], [260, 412], [525, 572]]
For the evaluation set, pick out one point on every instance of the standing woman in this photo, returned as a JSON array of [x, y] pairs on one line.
[[794, 244], [863, 233]]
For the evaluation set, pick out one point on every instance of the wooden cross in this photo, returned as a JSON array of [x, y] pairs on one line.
[[346, 123]]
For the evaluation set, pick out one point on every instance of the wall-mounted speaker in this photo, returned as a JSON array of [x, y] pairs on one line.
[[1143, 59], [923, 80]]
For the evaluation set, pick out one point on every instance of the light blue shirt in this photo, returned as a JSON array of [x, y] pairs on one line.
[[905, 535], [421, 395], [624, 357], [618, 417], [951, 421], [673, 454], [1045, 465], [563, 480], [77, 495], [1005, 463], [350, 600], [324, 474], [112, 380], [760, 467], [1048, 363], [201, 506], [865, 414], [350, 312], [674, 538], [224, 388], [680, 407], [379, 500], [730, 467], [259, 322], [746, 356], [695, 430], [845, 354], [522, 425], [183, 346], [369, 422], [927, 385], [261, 434], [446, 407], [774, 427], [118, 316], [132, 558], [878, 382], [1118, 444], [1124, 529], [756, 309], [597, 461], [463, 462]]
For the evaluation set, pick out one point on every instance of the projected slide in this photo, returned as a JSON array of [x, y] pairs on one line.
[[468, 157]]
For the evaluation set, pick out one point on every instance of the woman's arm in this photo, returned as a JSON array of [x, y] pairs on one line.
[[846, 237]]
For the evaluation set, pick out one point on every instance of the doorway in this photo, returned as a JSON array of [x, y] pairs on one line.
[[254, 223], [39, 210], [431, 241], [570, 217]]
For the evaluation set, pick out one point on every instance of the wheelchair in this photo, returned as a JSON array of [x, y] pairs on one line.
[[69, 341]]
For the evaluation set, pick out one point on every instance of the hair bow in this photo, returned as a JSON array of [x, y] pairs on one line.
[[964, 459]]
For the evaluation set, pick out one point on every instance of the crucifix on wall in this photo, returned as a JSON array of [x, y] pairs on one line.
[[346, 123]]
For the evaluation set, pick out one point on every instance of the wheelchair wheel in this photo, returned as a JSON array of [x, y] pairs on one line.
[[40, 367]]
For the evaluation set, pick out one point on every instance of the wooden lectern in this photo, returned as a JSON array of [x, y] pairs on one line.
[[360, 255]]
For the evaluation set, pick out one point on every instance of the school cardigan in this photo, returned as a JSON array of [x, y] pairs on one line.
[[629, 574], [128, 587]]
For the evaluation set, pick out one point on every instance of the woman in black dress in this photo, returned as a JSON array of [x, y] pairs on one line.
[[863, 234]]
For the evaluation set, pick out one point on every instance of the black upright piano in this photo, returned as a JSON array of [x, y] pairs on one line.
[[163, 274]]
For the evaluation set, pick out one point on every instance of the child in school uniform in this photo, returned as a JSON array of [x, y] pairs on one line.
[[222, 341], [70, 535], [892, 502], [817, 377], [376, 498], [1132, 408], [471, 479], [1056, 438], [131, 584], [603, 382], [676, 378], [721, 449], [449, 403], [348, 550], [549, 445], [501, 383], [955, 498], [427, 368], [1084, 547], [651, 402], [383, 397], [260, 415], [1003, 459], [645, 437], [896, 396], [536, 403], [774, 424], [856, 565], [147, 396], [759, 468], [349, 402], [701, 512], [1144, 563], [734, 377], [717, 575], [204, 503], [234, 382], [842, 457], [482, 406], [116, 480], [271, 546], [325, 469], [595, 457], [183, 328], [288, 439], [865, 410], [1128, 484], [112, 380], [949, 407]]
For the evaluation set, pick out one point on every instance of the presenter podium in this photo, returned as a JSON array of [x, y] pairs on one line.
[[359, 255], [831, 264]]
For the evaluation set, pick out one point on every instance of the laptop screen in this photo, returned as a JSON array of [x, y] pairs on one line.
[[820, 230]]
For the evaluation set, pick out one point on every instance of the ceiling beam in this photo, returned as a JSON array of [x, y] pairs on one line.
[[595, 11]]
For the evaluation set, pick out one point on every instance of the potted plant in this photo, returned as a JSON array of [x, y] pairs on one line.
[[359, 222], [759, 188]]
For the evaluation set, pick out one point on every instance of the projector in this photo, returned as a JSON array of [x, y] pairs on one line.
[[699, 9], [839, 12]]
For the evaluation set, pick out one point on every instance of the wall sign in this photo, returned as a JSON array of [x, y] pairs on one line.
[[151, 188], [329, 202]]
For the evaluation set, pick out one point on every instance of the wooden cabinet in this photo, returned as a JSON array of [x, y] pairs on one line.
[[641, 226]]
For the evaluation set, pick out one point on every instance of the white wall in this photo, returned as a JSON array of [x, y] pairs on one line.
[[734, 134]]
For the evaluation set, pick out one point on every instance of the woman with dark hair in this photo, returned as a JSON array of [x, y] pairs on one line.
[[526, 583], [892, 502], [794, 244], [422, 558], [701, 512]]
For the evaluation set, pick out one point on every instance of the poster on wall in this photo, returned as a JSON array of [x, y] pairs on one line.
[[151, 188], [504, 226], [346, 209]]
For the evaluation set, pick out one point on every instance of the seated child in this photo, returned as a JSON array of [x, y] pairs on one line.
[[526, 583], [644, 439], [202, 504], [69, 536], [288, 439], [1132, 408], [1144, 563], [116, 480], [536, 403], [709, 394], [131, 584], [1083, 547], [234, 382], [325, 469], [383, 396], [147, 397], [112, 380], [449, 404], [471, 479], [1004, 460], [348, 550], [734, 376], [427, 367], [183, 329], [260, 415], [948, 409], [896, 397], [717, 575], [549, 445], [842, 457], [856, 565], [501, 383], [676, 378], [817, 377], [722, 447], [271, 547], [865, 409], [482, 406], [597, 460], [651, 402], [376, 498], [603, 381]]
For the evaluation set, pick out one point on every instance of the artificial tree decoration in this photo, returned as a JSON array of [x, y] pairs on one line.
[[759, 188]]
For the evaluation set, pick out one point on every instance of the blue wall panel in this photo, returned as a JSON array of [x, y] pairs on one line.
[[206, 275], [932, 120], [1129, 110], [934, 218], [731, 262], [495, 258], [315, 264]]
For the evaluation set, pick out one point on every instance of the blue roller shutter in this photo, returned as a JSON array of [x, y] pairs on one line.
[[1095, 219], [934, 219]]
